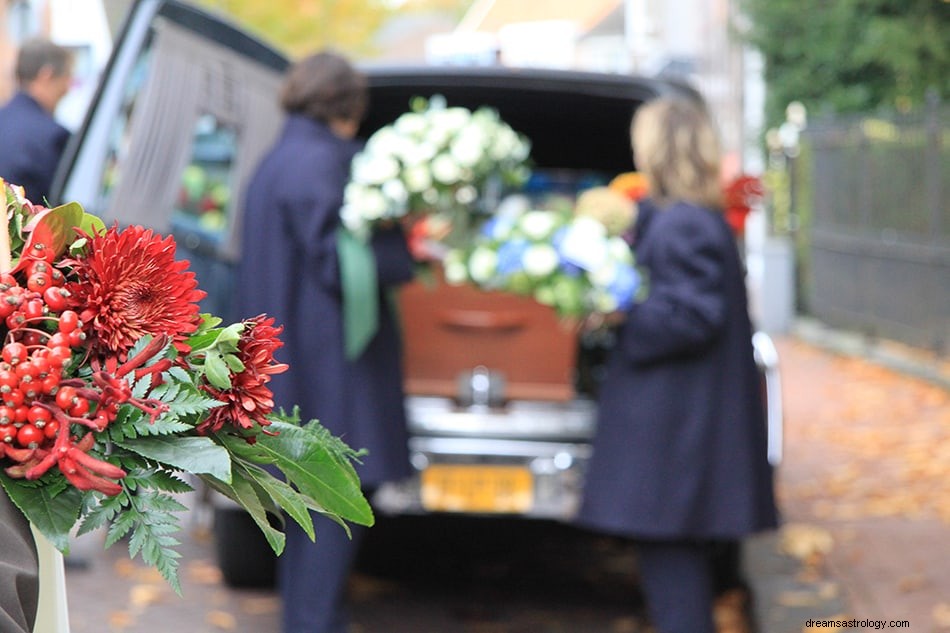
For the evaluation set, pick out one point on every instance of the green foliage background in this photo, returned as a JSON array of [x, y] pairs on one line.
[[840, 56], [298, 27]]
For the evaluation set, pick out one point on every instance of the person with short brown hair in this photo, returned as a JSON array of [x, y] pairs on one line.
[[290, 268], [325, 87], [33, 141]]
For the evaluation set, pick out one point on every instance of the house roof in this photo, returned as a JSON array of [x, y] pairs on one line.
[[491, 15]]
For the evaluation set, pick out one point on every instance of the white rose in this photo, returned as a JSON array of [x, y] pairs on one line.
[[417, 178], [418, 153], [411, 124], [445, 169], [482, 264], [374, 169], [603, 275], [504, 145], [455, 272], [468, 149], [372, 204], [540, 260], [583, 244], [395, 191], [454, 119], [385, 142], [537, 225], [351, 217], [466, 194]]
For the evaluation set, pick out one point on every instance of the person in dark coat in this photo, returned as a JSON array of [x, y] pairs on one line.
[[290, 269], [33, 141], [679, 460]]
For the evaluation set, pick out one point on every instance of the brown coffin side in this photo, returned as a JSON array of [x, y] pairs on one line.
[[450, 330]]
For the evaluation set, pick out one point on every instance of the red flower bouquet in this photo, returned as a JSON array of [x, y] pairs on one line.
[[739, 196], [114, 387]]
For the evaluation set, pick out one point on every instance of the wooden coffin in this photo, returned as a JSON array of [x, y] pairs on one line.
[[449, 331]]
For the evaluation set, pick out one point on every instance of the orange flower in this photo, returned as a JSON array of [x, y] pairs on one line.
[[632, 184]]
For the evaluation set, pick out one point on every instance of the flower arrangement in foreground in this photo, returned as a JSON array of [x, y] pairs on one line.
[[114, 388], [567, 260], [433, 159]]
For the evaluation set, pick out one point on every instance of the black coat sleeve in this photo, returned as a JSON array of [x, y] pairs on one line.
[[394, 263], [685, 309]]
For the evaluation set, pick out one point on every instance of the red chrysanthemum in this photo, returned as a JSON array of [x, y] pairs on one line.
[[129, 284], [249, 400]]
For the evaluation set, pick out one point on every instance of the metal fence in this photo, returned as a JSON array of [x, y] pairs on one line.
[[874, 232]]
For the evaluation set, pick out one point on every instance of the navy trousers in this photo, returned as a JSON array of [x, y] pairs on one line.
[[312, 576], [677, 578]]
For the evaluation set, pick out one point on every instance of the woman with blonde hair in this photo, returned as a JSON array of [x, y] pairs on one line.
[[679, 462]]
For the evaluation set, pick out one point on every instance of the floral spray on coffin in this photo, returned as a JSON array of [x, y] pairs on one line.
[[113, 387], [568, 262]]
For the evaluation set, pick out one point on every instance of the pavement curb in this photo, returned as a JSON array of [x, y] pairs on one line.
[[916, 362]]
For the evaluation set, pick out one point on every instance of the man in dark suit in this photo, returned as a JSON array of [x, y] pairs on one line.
[[32, 139]]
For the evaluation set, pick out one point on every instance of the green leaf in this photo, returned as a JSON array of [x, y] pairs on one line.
[[124, 521], [92, 224], [53, 508], [217, 371], [234, 363], [228, 337], [311, 461], [154, 519], [100, 515], [285, 496], [243, 492], [159, 480], [198, 455]]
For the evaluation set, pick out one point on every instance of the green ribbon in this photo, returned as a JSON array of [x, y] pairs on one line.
[[360, 294]]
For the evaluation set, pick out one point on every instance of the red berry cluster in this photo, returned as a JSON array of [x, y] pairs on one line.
[[41, 332], [42, 411], [46, 417]]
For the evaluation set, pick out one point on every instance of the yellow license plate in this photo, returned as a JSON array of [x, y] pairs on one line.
[[463, 488]]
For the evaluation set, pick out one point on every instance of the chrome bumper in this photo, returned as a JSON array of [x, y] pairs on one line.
[[551, 440]]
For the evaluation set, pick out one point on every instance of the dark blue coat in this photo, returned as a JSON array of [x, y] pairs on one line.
[[680, 450], [32, 143], [289, 270]]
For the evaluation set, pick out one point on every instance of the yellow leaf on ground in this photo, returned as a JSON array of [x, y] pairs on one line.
[[260, 606], [804, 541], [119, 620], [144, 595], [221, 620], [941, 615]]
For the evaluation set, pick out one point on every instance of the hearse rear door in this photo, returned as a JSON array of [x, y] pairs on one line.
[[185, 109]]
